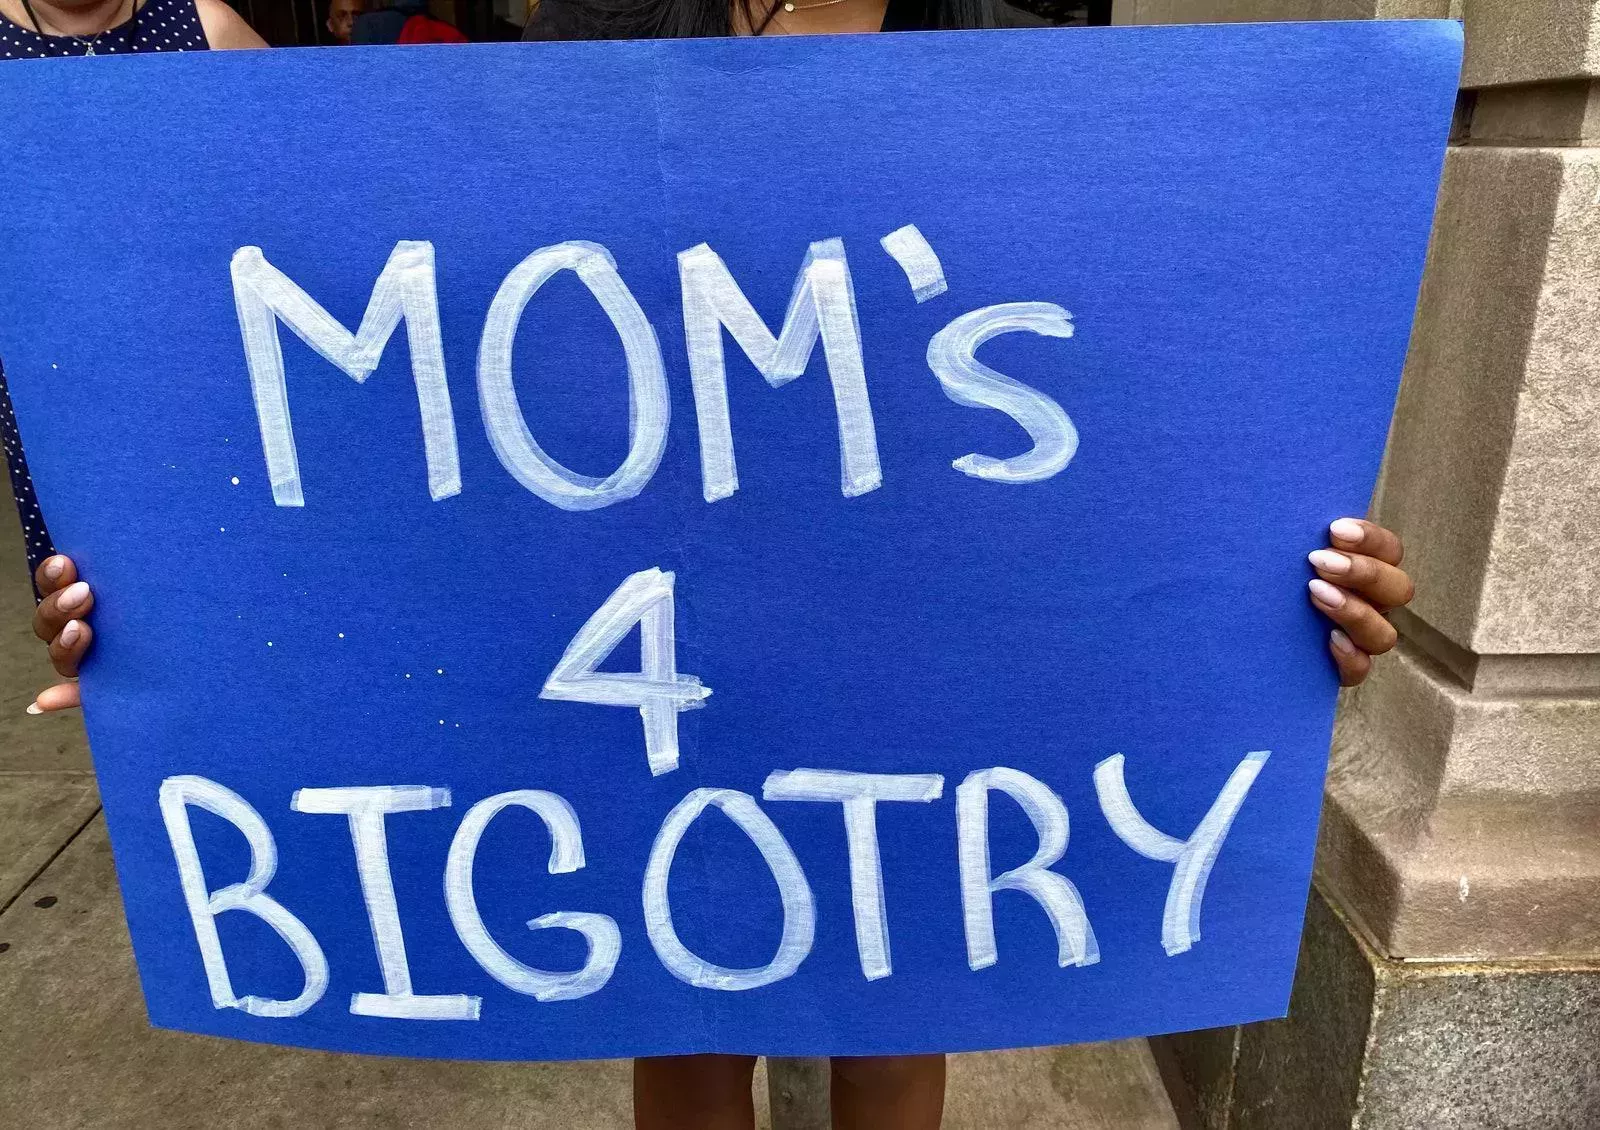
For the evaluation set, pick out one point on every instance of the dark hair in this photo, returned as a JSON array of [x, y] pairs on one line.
[[699, 19]]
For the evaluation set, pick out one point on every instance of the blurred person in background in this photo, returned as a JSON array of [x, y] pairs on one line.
[[403, 21], [342, 17]]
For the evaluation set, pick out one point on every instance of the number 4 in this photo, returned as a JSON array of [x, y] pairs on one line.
[[658, 690]]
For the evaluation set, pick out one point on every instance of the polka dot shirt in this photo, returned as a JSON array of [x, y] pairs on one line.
[[161, 25]]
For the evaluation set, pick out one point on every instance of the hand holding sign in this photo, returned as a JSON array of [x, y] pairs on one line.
[[1359, 580], [61, 621]]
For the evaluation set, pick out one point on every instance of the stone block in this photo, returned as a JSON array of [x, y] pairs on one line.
[[1493, 471], [1462, 1047], [1387, 1045], [1575, 675], [1268, 11], [1542, 587], [1523, 41], [1560, 113], [1461, 825]]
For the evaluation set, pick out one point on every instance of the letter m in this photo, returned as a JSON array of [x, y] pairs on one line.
[[823, 304], [265, 296]]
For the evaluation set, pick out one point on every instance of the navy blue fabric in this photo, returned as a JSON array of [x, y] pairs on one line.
[[385, 25], [160, 25], [34, 533]]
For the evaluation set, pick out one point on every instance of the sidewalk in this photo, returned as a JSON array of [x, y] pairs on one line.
[[77, 1052]]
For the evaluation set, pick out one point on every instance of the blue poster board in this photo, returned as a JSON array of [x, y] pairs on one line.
[[812, 559]]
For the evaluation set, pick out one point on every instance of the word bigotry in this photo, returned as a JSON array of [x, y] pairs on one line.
[[660, 693], [822, 307], [858, 795]]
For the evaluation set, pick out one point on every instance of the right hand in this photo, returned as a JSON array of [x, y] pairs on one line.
[[62, 622]]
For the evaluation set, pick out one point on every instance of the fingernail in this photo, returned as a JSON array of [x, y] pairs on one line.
[[71, 633], [73, 595], [1329, 561], [54, 567], [1348, 529], [1324, 593], [1341, 642], [35, 708]]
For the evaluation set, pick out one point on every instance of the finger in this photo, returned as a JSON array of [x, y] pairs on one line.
[[1353, 663], [71, 603], [67, 649], [62, 696], [54, 573], [1380, 582], [1361, 622], [1360, 536]]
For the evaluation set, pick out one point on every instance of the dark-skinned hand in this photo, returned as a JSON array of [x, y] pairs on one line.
[[1358, 580]]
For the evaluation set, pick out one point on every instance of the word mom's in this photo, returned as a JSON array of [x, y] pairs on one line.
[[822, 307], [858, 794]]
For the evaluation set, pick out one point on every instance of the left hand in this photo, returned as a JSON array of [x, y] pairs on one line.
[[62, 622], [1359, 579]]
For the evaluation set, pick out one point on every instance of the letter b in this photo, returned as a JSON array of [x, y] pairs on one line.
[[177, 794]]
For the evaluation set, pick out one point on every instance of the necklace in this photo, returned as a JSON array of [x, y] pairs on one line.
[[791, 6], [88, 44]]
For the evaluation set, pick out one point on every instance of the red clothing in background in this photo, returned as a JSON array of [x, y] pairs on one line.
[[426, 29]]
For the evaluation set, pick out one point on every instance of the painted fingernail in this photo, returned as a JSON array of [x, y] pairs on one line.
[[1341, 642], [1348, 529], [72, 633], [73, 595], [54, 567], [1324, 593], [35, 708], [1329, 561]]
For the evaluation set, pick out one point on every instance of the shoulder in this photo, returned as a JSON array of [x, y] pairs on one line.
[[225, 29]]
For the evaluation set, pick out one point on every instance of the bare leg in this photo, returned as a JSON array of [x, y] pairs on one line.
[[693, 1092], [888, 1092]]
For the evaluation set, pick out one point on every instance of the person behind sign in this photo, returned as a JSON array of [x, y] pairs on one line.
[[1358, 575]]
